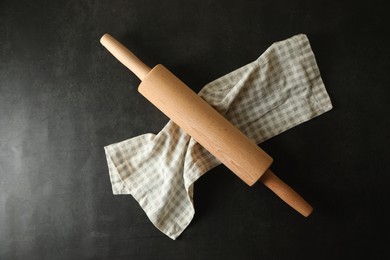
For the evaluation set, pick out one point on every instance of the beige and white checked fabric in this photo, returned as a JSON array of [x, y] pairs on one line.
[[279, 90]]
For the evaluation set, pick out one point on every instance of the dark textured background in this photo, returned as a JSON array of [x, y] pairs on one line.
[[63, 97]]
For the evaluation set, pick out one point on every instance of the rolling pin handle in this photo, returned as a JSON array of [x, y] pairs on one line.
[[125, 56], [286, 193]]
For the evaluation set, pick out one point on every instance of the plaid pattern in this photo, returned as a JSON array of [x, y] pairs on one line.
[[279, 90]]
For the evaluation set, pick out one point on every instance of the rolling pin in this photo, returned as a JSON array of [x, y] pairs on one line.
[[203, 123]]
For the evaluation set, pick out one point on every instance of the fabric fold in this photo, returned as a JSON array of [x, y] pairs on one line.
[[278, 91]]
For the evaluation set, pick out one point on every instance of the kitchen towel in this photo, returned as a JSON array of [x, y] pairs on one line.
[[278, 91]]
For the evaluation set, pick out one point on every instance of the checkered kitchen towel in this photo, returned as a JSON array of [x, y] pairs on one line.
[[279, 90]]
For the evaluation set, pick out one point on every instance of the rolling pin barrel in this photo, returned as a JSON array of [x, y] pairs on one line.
[[209, 128]]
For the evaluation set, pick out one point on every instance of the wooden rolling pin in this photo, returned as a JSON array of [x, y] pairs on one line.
[[202, 122]]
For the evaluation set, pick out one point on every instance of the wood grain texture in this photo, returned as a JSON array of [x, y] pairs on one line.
[[197, 118]]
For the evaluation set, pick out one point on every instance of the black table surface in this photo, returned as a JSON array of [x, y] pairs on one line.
[[63, 97]]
